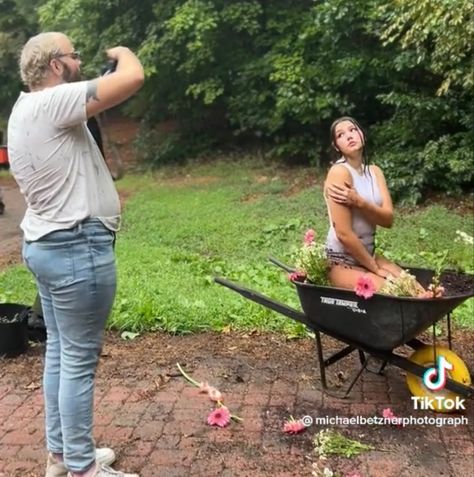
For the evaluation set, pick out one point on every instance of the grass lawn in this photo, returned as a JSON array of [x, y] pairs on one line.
[[183, 226]]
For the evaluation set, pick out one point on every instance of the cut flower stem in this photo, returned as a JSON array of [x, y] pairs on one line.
[[189, 378]]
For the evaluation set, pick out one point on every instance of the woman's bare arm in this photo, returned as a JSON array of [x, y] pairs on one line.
[[344, 194]]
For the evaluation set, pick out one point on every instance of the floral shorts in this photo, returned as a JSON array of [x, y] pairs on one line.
[[340, 258]]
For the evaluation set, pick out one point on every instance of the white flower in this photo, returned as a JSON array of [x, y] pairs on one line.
[[403, 285], [464, 237], [328, 472]]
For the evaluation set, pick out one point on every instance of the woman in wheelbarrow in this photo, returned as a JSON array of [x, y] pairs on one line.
[[358, 201]]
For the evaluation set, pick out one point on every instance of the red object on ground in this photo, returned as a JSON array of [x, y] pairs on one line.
[[3, 155]]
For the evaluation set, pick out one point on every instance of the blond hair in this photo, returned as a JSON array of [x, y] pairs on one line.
[[35, 56]]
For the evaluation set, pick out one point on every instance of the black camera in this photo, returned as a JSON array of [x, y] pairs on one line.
[[109, 67]]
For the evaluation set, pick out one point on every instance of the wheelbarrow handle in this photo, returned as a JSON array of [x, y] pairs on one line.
[[281, 265], [267, 302]]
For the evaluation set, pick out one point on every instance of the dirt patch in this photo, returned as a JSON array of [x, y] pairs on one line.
[[10, 232], [295, 179], [457, 284], [11, 252], [7, 181], [299, 183], [460, 205], [119, 134], [250, 198]]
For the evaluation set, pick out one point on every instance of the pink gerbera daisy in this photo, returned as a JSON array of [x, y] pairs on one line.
[[364, 287], [293, 427], [387, 413], [219, 417], [309, 237], [297, 276]]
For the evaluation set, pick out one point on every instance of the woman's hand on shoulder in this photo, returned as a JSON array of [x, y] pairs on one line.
[[344, 194], [338, 184]]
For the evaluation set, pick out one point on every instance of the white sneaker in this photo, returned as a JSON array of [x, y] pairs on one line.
[[56, 468], [106, 471]]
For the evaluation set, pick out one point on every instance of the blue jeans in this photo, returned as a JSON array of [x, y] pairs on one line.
[[76, 276]]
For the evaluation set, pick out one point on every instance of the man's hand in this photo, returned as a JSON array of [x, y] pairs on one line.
[[115, 52]]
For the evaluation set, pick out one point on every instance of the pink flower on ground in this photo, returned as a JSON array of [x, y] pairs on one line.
[[309, 237], [214, 394], [219, 417], [364, 287], [387, 413], [297, 276], [293, 427], [204, 387]]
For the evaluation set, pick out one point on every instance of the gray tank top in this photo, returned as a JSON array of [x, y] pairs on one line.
[[366, 186]]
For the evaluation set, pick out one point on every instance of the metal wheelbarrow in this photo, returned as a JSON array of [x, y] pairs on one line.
[[375, 328]]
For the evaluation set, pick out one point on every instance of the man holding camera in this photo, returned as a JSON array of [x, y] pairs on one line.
[[73, 213]]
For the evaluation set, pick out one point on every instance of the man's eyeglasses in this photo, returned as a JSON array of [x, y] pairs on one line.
[[75, 55]]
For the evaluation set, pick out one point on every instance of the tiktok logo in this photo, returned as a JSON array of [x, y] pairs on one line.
[[435, 378]]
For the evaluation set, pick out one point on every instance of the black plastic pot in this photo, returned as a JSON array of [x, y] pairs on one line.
[[13, 329]]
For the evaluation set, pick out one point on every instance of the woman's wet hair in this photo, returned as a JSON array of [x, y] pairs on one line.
[[335, 152]]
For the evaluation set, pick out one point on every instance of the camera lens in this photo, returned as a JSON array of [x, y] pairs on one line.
[[109, 67]]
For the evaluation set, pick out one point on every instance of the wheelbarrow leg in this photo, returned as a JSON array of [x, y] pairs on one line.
[[322, 367], [448, 319], [356, 377], [334, 358]]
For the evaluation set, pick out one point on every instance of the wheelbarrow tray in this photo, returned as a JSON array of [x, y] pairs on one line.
[[381, 322]]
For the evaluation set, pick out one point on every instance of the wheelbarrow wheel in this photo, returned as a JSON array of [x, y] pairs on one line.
[[425, 356]]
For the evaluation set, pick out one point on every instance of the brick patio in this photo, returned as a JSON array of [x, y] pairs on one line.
[[155, 420]]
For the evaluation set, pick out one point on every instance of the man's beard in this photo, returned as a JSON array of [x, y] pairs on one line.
[[70, 76]]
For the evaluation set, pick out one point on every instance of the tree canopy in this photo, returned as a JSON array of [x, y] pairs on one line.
[[273, 74]]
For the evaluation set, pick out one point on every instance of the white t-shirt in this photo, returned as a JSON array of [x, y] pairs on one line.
[[57, 164]]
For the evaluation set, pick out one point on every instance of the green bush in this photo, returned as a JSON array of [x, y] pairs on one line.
[[404, 175], [448, 163], [155, 148], [444, 165]]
